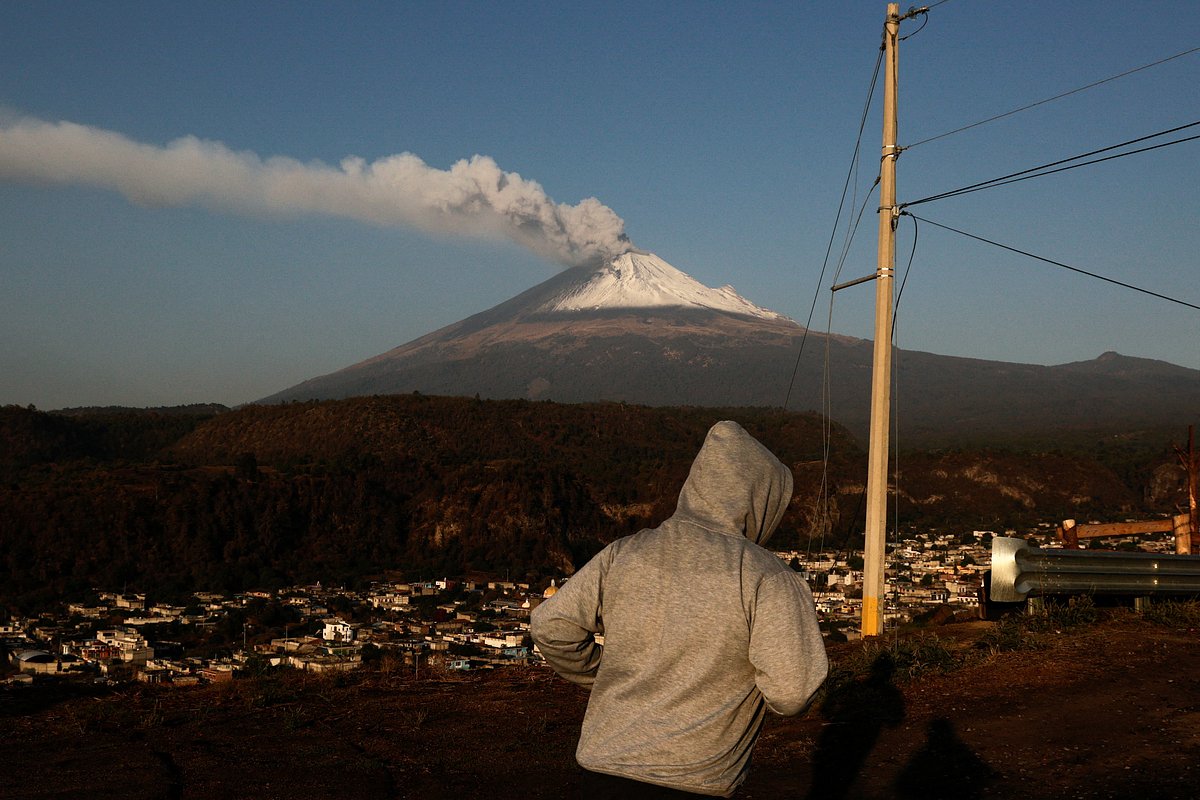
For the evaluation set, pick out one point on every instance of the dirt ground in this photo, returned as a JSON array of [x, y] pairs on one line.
[[1110, 710]]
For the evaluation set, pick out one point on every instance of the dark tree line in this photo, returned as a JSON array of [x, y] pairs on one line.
[[268, 496]]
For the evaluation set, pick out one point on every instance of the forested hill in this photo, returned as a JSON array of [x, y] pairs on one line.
[[29, 437], [266, 496], [599, 437]]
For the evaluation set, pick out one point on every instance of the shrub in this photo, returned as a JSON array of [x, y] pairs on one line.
[[906, 659], [1011, 634], [1016, 633], [1058, 617], [1174, 613]]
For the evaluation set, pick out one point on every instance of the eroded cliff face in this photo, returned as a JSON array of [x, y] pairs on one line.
[[1168, 484], [1007, 486], [507, 516]]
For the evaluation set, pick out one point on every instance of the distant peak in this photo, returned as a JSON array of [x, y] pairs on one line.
[[637, 279]]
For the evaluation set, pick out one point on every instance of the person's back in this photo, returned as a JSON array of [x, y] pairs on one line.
[[703, 629]]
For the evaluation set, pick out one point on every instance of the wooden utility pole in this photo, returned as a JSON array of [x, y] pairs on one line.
[[1193, 516], [1191, 464], [881, 380]]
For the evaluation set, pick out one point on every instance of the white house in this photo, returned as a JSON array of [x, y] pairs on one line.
[[503, 639], [130, 645], [135, 602], [337, 630]]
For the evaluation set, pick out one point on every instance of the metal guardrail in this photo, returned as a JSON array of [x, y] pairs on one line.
[[1019, 569]]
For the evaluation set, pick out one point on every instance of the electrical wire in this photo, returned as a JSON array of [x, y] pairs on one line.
[[836, 222], [825, 518], [924, 12], [826, 376], [895, 417], [853, 231], [895, 472], [827, 371], [852, 171], [1045, 169], [1015, 177], [825, 522], [895, 395], [904, 280], [1004, 182], [1050, 99], [1056, 263], [894, 389]]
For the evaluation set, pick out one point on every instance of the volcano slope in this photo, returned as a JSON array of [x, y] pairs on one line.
[[636, 329]]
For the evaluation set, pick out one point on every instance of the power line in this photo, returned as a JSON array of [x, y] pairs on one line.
[[826, 428], [1045, 169], [1086, 163], [914, 12], [924, 12], [904, 281], [1002, 182], [836, 222], [1051, 99], [1055, 263]]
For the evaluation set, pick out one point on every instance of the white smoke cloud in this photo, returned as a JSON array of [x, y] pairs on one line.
[[474, 197]]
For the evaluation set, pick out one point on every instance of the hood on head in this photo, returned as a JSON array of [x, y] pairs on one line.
[[736, 485]]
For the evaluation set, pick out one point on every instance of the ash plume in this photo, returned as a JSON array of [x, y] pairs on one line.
[[474, 197]]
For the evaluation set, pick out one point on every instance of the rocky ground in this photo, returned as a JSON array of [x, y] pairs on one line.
[[1060, 709]]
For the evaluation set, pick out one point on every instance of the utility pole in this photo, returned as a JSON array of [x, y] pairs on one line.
[[1191, 464], [881, 378], [1193, 516]]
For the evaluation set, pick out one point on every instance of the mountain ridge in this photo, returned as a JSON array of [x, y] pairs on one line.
[[612, 333]]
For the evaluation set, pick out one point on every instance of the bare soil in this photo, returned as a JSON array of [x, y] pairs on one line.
[[1110, 710]]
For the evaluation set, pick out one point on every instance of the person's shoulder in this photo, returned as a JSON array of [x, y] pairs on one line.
[[629, 543], [645, 534], [765, 560]]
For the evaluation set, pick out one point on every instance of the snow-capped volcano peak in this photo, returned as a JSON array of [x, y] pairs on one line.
[[643, 280]]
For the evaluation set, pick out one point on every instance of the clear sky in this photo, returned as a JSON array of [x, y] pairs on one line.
[[179, 223]]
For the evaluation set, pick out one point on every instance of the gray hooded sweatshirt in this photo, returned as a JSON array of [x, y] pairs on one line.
[[703, 629]]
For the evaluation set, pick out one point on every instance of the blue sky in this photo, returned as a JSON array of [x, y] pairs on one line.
[[719, 133]]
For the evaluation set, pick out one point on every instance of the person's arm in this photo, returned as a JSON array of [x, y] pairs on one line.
[[786, 647], [564, 627]]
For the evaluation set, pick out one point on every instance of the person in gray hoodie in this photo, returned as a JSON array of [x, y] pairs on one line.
[[703, 630]]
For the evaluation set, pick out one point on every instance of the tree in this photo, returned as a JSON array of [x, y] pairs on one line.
[[247, 466], [371, 654]]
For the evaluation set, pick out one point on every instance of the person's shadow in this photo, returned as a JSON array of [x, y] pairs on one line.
[[855, 713], [944, 768]]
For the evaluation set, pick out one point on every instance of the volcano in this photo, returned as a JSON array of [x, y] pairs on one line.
[[636, 329]]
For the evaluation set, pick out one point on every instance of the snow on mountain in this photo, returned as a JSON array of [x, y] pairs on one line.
[[643, 280]]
